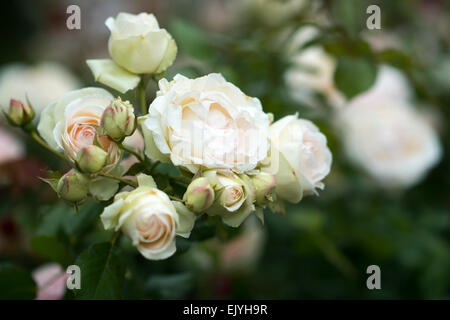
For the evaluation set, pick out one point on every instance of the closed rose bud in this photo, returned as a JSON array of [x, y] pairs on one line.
[[92, 159], [199, 195], [19, 113], [264, 185], [118, 120], [73, 187]]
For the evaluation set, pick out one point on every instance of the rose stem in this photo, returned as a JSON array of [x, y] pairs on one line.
[[130, 150], [175, 198], [39, 140], [142, 97]]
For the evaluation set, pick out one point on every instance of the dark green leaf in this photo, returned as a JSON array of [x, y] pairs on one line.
[[102, 272], [16, 283], [354, 75], [191, 40], [50, 248], [172, 286]]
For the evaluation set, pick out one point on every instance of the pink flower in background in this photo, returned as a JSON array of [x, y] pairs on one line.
[[51, 281], [11, 147]]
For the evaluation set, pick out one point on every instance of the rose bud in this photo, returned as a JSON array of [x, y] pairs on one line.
[[19, 113], [73, 187], [264, 185], [91, 159], [118, 120], [199, 195]]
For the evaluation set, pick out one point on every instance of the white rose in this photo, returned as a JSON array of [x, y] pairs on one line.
[[205, 122], [70, 124], [138, 44], [148, 217], [312, 70], [300, 158], [43, 84], [273, 12], [385, 135]]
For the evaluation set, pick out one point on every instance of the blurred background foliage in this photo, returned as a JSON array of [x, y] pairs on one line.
[[323, 245]]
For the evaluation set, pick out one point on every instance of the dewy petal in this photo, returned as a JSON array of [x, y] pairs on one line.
[[107, 72]]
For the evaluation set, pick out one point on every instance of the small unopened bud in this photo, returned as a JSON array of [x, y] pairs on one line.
[[199, 195], [73, 187], [264, 184], [19, 113], [92, 159], [118, 120]]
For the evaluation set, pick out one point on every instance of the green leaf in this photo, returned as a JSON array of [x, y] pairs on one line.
[[102, 272], [135, 169], [64, 218], [171, 286], [354, 75], [192, 40], [16, 283], [203, 229], [50, 248], [51, 182], [350, 14]]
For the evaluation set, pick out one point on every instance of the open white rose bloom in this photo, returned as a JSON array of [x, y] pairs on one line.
[[223, 159], [299, 157], [311, 71], [70, 124], [148, 217], [386, 135], [206, 122]]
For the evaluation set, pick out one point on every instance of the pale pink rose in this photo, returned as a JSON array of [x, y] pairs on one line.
[[243, 252], [51, 281], [11, 148]]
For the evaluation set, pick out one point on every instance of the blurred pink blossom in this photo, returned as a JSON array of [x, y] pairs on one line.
[[51, 281]]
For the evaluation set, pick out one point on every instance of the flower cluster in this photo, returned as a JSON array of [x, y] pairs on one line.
[[233, 159]]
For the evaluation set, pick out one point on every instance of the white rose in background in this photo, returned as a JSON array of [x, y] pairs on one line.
[[205, 122], [384, 134], [148, 217], [299, 158], [70, 124], [138, 44], [273, 12], [44, 83], [312, 70]]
